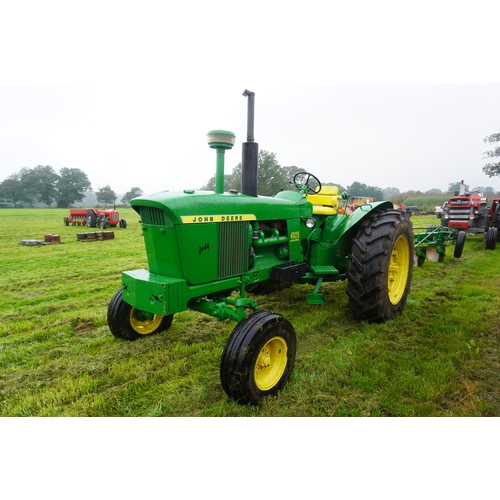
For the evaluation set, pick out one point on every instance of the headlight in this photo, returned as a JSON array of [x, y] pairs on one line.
[[310, 223]]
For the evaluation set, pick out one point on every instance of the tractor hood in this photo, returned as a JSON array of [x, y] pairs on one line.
[[206, 206]]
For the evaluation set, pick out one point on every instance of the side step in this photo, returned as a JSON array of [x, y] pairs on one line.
[[315, 297]]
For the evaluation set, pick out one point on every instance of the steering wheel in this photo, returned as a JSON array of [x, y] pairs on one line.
[[301, 181]]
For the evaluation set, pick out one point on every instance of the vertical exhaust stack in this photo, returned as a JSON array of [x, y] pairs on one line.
[[250, 153]]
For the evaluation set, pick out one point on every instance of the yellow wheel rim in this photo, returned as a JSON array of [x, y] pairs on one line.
[[398, 270], [271, 363], [144, 323]]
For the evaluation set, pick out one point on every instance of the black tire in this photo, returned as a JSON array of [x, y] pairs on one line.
[[459, 244], [490, 242], [102, 224], [258, 357], [495, 221], [128, 323], [66, 221], [91, 219], [123, 223], [381, 266]]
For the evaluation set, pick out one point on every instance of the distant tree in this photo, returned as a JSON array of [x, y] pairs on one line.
[[40, 184], [290, 172], [359, 189], [230, 182], [492, 169], [106, 195], [390, 192], [434, 191], [133, 193], [12, 191], [71, 186], [271, 176]]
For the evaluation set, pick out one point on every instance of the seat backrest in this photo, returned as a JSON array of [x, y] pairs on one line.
[[325, 202]]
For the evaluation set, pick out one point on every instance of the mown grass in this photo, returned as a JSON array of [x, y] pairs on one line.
[[58, 358]]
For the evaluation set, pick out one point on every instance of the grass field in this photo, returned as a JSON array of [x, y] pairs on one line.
[[58, 358]]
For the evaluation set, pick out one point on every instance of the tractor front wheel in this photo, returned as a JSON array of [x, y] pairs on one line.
[[381, 266], [490, 241], [459, 244], [128, 323], [258, 357]]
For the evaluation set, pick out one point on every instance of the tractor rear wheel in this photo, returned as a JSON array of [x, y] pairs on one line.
[[381, 266], [127, 322], [66, 221], [459, 244], [91, 219], [258, 357], [495, 221]]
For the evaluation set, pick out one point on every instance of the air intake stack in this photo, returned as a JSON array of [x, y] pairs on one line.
[[250, 153]]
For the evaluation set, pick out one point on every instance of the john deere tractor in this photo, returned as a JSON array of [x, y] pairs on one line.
[[207, 250]]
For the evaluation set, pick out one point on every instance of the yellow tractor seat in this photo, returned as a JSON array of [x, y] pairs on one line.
[[326, 201]]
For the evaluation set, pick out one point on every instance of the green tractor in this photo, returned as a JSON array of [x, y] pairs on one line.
[[208, 250]]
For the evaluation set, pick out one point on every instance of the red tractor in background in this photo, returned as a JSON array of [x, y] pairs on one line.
[[494, 216], [95, 218], [468, 212]]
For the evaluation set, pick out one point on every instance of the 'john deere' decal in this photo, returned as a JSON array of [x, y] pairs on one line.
[[203, 219]]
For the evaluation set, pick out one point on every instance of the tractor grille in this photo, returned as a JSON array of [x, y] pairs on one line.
[[152, 216], [233, 249], [460, 214]]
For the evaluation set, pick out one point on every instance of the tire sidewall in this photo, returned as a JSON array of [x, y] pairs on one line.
[[118, 317], [404, 229], [242, 350], [369, 266], [459, 244]]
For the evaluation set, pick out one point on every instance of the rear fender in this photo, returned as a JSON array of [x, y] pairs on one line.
[[360, 213], [355, 218]]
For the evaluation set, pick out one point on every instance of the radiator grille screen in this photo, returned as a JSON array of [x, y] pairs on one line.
[[233, 249], [152, 216]]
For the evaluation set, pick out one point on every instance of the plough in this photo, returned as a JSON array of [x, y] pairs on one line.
[[432, 243]]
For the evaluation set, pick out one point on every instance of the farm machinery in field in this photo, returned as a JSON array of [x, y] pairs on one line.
[[469, 212], [431, 244], [95, 218], [213, 251]]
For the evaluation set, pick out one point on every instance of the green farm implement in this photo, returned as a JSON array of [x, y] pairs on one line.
[[214, 251], [432, 243]]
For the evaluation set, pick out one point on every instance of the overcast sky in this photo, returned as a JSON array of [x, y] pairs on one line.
[[127, 94], [409, 136]]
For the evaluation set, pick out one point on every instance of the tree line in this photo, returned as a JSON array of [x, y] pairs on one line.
[[42, 184], [272, 178]]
